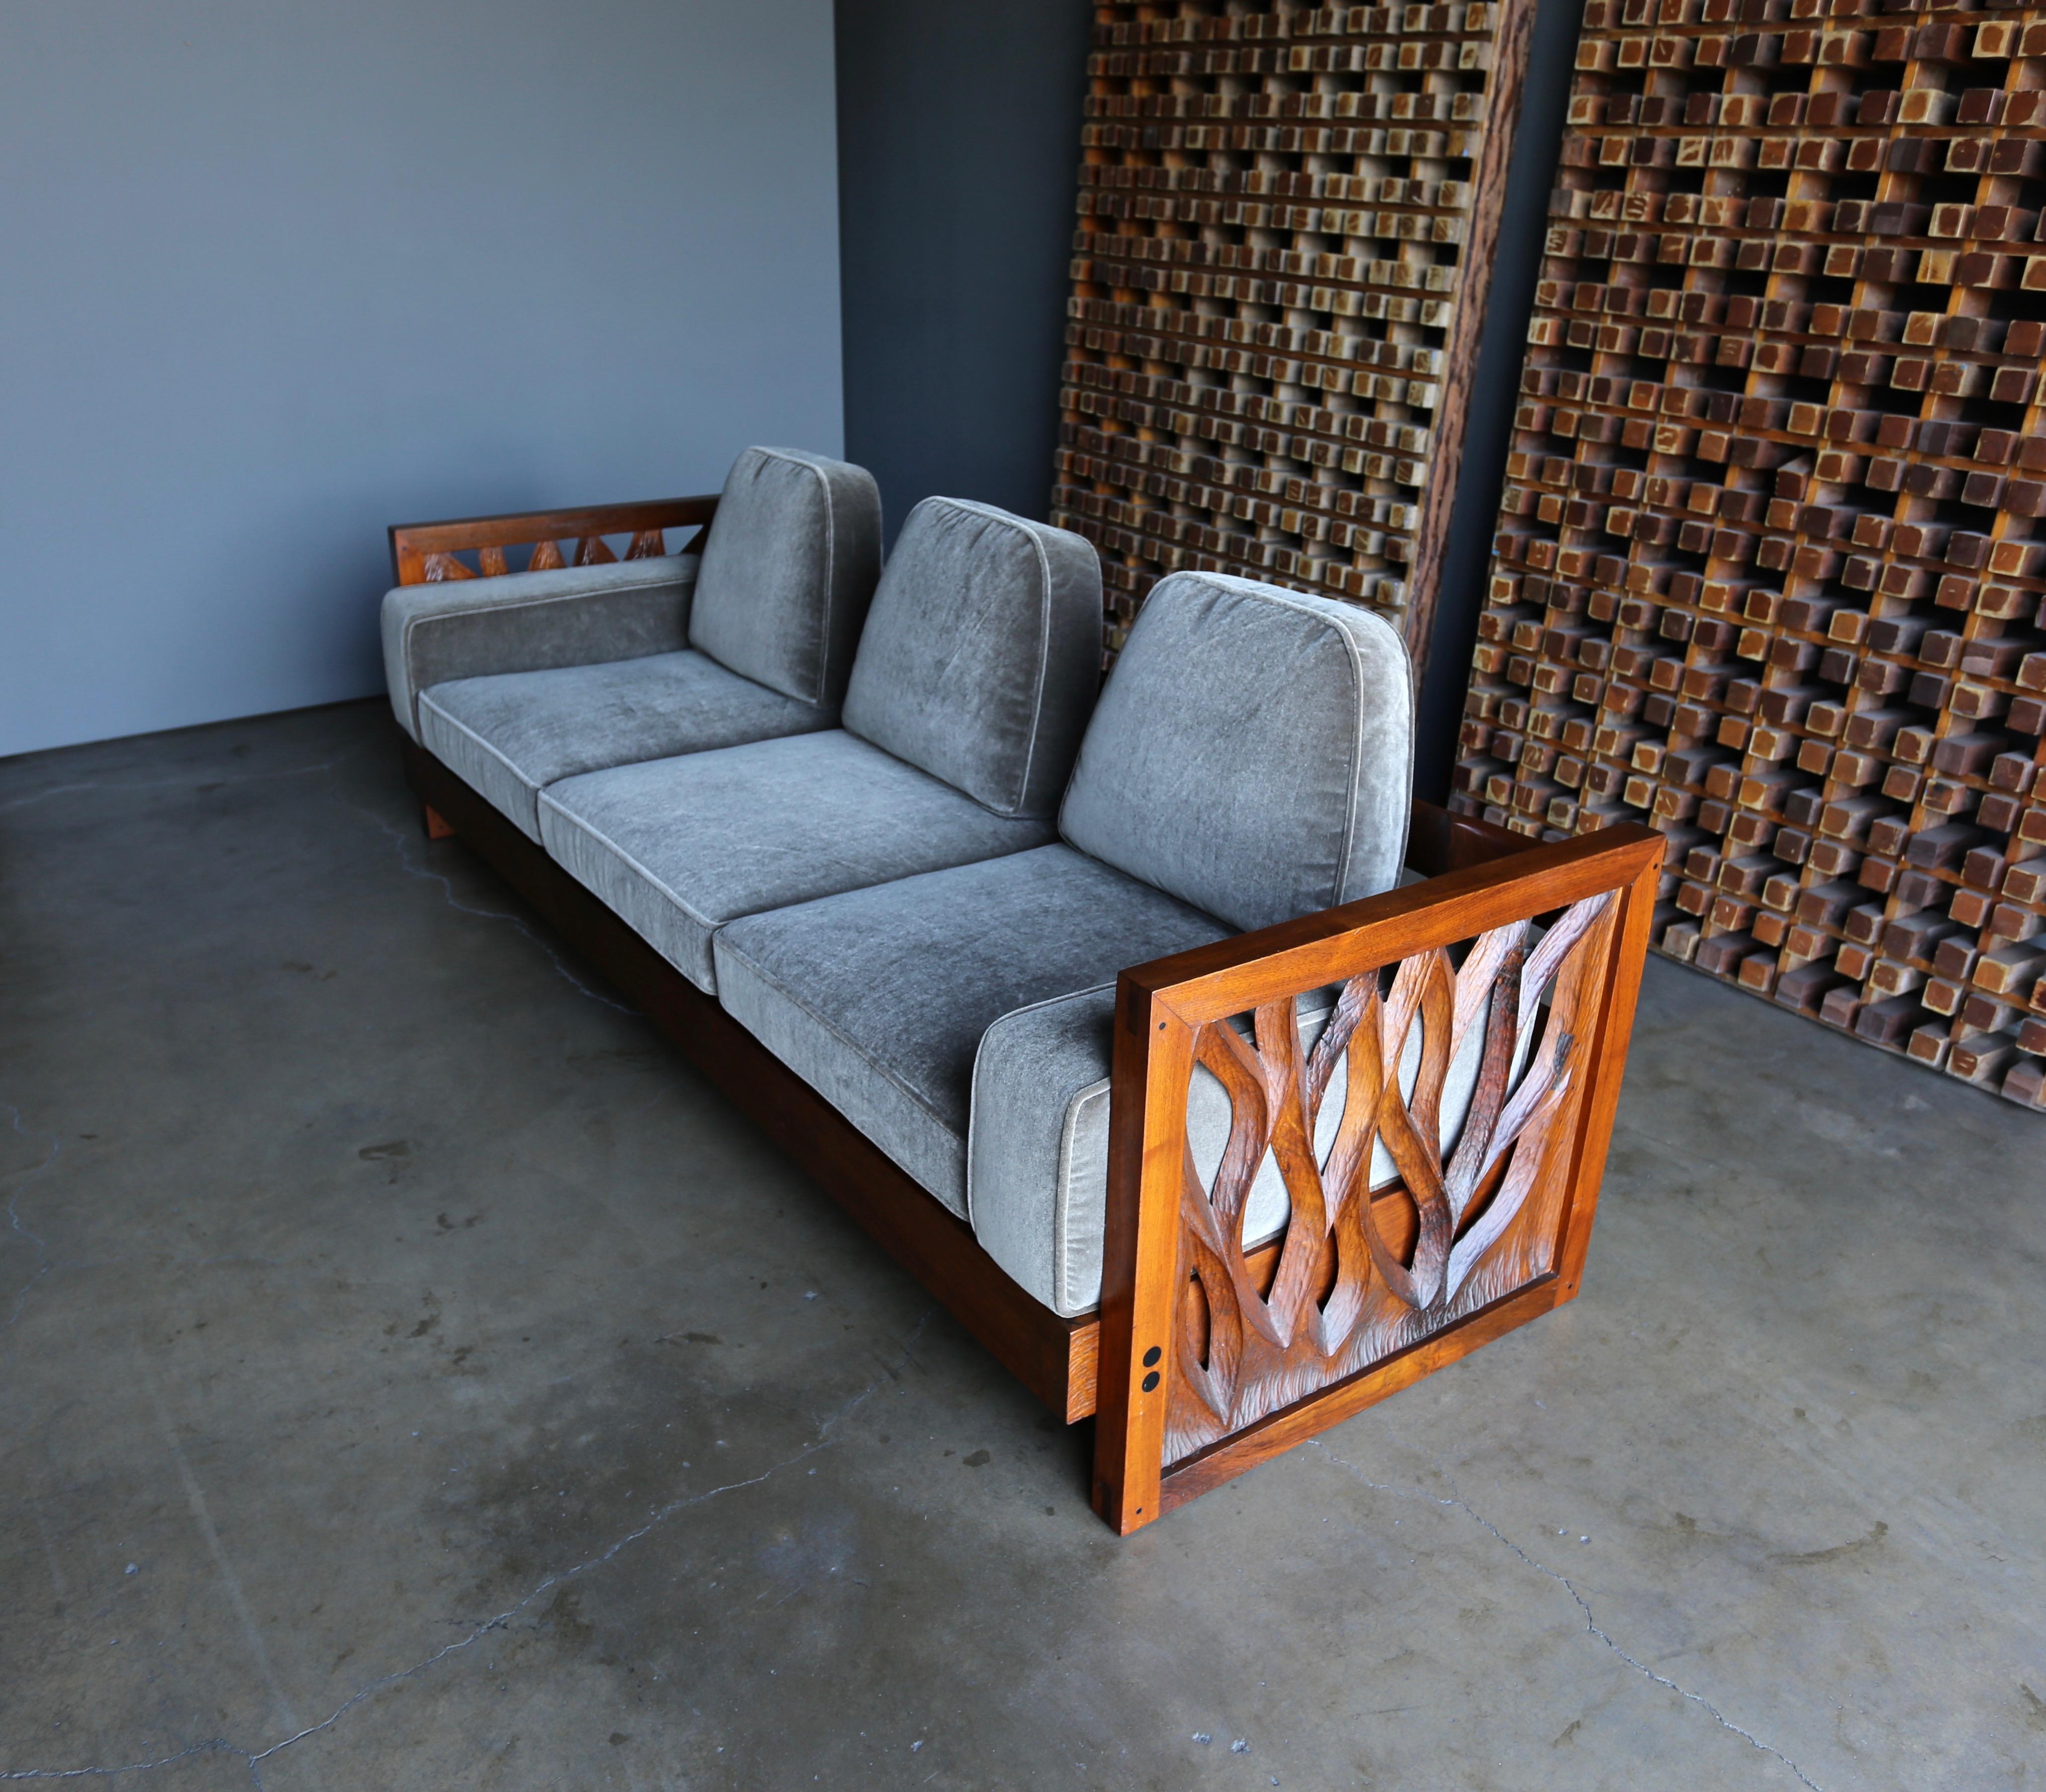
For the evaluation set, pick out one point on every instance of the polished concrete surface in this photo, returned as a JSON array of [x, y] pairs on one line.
[[412, 1375]]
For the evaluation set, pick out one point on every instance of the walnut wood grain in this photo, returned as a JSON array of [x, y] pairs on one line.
[[1199, 1345], [1515, 31], [1234, 975], [1609, 1067], [422, 552], [1281, 1431], [1439, 842]]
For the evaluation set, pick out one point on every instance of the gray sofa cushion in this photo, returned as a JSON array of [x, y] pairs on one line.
[[981, 654], [524, 622], [679, 847], [879, 999], [1037, 1152], [510, 735], [1252, 753], [788, 572]]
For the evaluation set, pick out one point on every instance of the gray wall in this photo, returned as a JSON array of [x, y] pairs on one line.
[[958, 158], [276, 275]]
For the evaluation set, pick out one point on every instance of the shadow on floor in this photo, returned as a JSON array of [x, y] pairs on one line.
[[413, 1377]]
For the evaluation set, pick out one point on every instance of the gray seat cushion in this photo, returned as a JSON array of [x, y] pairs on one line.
[[879, 999], [1037, 1152], [525, 622], [981, 653], [510, 735], [1252, 753], [679, 847], [788, 572]]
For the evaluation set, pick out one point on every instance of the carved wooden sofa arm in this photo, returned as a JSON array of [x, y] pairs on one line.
[[426, 553], [1216, 1353]]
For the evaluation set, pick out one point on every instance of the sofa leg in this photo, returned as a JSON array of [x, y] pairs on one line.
[[437, 825]]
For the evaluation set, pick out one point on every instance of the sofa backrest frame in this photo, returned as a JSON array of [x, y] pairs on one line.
[[426, 553]]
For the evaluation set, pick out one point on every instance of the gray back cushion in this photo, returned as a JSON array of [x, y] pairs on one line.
[[787, 574], [981, 654], [1252, 753]]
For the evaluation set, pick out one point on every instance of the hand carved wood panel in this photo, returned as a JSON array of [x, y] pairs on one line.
[[1772, 555], [1287, 215], [1363, 1272], [545, 557], [433, 553]]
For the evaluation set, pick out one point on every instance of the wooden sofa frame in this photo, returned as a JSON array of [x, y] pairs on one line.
[[1209, 1353]]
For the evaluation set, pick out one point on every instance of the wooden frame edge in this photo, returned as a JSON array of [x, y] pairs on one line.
[[1630, 950], [413, 544], [1472, 898], [1155, 1022], [1512, 48], [1439, 841], [1277, 1432]]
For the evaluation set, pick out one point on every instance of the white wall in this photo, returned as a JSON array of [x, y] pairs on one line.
[[275, 273]]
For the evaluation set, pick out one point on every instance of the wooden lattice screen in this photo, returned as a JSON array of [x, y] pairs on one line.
[[1770, 565], [1286, 217]]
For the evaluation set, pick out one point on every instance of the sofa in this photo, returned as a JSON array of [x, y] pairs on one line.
[[1216, 1086]]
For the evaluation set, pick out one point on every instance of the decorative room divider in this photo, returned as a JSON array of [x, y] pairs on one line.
[[1286, 220], [1769, 558]]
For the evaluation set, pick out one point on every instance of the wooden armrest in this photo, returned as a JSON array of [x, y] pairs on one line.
[[1235, 975], [422, 553], [1214, 1356], [1439, 842]]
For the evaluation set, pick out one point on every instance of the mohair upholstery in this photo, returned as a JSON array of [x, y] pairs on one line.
[[1037, 1152], [511, 735], [788, 572], [678, 846], [878, 999], [982, 652], [526, 622], [1252, 753]]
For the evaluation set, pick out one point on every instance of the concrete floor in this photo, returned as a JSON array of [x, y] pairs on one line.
[[412, 1376]]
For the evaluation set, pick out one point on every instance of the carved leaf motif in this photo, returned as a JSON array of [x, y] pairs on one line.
[[1278, 1030], [1360, 1272], [1423, 989], [442, 567]]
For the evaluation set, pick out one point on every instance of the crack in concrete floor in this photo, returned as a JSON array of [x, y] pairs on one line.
[[23, 1179], [404, 843], [47, 1263], [20, 1185], [255, 1758], [1457, 1499], [44, 1264]]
